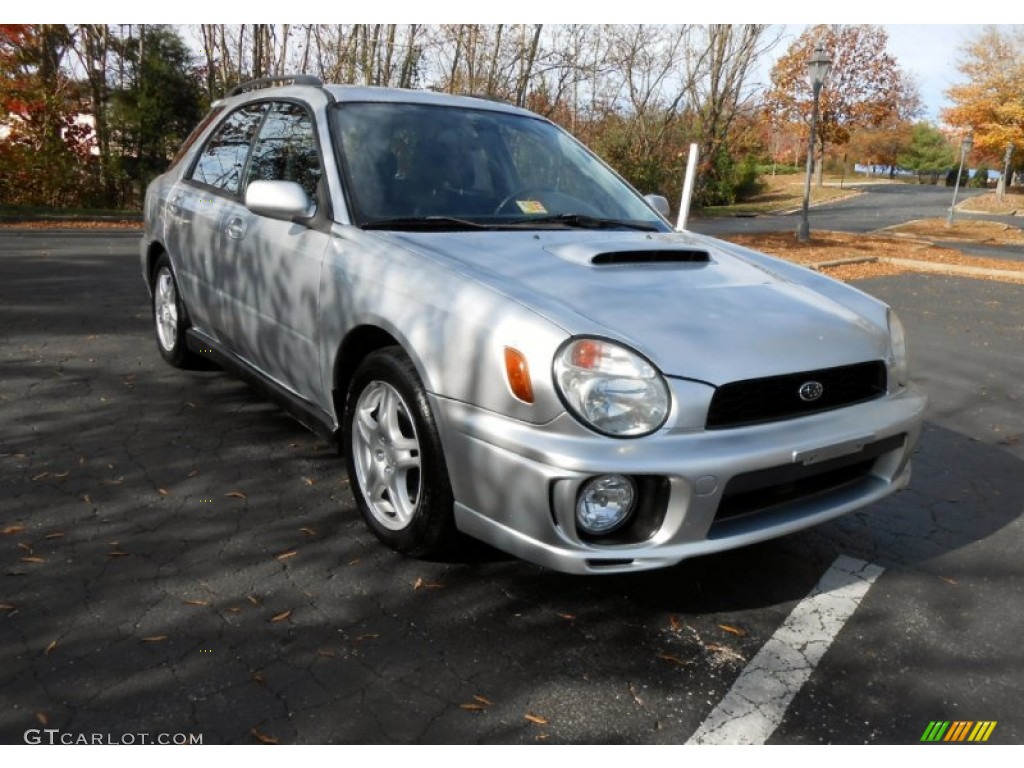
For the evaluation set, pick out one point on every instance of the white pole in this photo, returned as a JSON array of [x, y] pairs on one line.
[[684, 203]]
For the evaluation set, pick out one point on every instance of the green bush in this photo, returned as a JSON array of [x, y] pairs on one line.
[[980, 177]]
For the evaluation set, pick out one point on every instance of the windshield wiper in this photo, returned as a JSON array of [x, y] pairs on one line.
[[426, 224], [583, 221]]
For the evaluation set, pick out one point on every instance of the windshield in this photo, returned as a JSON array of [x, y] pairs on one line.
[[452, 167]]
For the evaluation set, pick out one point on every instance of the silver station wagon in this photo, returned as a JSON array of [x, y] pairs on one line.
[[508, 341]]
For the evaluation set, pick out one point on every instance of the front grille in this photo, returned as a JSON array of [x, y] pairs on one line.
[[766, 489], [755, 401]]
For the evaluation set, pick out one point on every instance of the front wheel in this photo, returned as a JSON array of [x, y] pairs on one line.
[[394, 457]]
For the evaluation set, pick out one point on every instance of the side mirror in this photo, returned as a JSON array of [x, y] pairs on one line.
[[278, 200], [658, 203]]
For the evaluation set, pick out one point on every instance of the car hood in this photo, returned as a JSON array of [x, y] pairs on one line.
[[696, 307]]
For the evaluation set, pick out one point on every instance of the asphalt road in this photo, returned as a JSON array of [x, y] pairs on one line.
[[179, 557], [878, 206]]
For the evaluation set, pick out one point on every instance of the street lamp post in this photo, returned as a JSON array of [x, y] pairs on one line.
[[817, 71], [965, 148]]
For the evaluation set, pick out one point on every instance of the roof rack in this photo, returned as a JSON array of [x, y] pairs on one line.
[[270, 82]]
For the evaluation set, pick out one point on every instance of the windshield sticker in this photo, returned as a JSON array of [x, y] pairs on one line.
[[531, 206]]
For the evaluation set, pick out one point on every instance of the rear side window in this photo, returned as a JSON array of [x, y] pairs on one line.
[[222, 160], [196, 133], [286, 149]]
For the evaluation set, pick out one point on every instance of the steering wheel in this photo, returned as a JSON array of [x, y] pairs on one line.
[[523, 192]]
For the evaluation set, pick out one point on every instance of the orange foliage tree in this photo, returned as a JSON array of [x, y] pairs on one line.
[[991, 102], [865, 87]]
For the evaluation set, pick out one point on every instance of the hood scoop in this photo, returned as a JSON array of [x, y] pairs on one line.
[[673, 256], [629, 254]]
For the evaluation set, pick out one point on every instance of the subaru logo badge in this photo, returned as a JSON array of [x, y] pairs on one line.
[[810, 391]]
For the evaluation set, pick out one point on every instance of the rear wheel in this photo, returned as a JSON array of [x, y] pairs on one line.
[[394, 457], [169, 317]]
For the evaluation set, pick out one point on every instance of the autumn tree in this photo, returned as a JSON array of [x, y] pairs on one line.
[[43, 150], [991, 101], [865, 86]]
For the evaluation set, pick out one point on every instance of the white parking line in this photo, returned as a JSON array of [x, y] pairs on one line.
[[754, 706]]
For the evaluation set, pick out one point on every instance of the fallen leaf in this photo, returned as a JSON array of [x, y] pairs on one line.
[[541, 737], [567, 616], [473, 707], [635, 695], [724, 651], [33, 559], [40, 476], [280, 617], [154, 639], [253, 599], [233, 610], [535, 719], [62, 475], [163, 491], [50, 647], [418, 584], [54, 535], [193, 473], [6, 607], [259, 678], [118, 553], [674, 659], [42, 718], [354, 562], [236, 495], [197, 602], [674, 624], [370, 636], [308, 531], [483, 699], [262, 737], [12, 529], [25, 547], [86, 498], [286, 555], [326, 653], [733, 630], [309, 481], [948, 580]]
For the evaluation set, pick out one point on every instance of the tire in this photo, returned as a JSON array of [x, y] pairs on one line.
[[170, 321], [394, 458]]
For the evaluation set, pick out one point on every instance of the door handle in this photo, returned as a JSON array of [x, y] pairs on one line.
[[174, 205], [235, 228]]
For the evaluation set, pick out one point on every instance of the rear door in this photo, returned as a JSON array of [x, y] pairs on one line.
[[202, 203]]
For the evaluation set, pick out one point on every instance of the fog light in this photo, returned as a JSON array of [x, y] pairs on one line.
[[605, 504]]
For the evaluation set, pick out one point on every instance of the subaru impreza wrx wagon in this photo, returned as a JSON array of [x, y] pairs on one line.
[[508, 341]]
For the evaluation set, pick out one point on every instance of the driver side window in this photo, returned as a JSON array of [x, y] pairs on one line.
[[286, 149]]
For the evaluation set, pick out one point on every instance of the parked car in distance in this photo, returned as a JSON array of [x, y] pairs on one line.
[[510, 342]]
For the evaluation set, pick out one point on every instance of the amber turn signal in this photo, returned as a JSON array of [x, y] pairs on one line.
[[518, 374]]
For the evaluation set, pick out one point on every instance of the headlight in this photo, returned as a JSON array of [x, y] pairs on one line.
[[610, 388], [898, 344]]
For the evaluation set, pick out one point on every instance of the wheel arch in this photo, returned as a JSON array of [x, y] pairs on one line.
[[153, 253], [357, 344]]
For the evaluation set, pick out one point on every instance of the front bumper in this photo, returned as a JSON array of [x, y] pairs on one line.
[[516, 484]]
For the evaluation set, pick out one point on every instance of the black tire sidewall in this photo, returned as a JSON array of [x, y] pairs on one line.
[[431, 531], [177, 356]]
